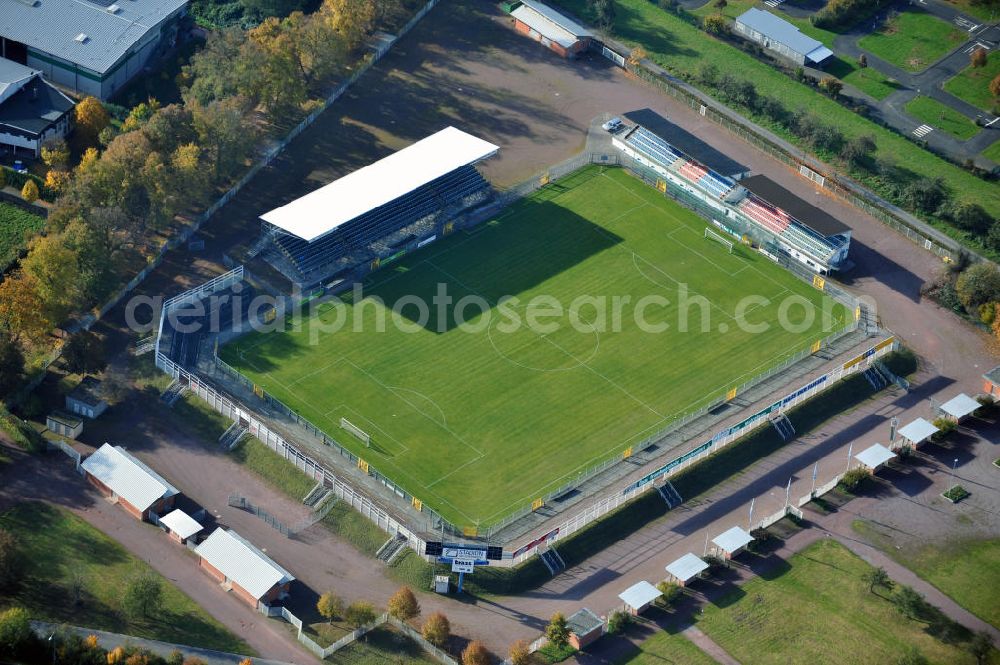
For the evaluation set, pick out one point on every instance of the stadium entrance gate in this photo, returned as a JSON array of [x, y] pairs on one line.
[[614, 57]]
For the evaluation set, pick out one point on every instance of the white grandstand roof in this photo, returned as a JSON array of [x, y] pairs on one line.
[[181, 523], [127, 477], [918, 430], [325, 209], [687, 567], [875, 456], [242, 563]]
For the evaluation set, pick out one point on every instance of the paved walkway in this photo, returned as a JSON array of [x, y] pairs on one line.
[[708, 645], [111, 640], [927, 82]]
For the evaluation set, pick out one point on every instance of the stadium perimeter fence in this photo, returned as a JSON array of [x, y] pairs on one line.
[[549, 177]]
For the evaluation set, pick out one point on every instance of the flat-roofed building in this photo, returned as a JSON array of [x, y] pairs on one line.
[[128, 482], [243, 569], [90, 46]]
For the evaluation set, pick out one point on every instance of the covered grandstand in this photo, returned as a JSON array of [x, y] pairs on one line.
[[752, 208], [376, 212]]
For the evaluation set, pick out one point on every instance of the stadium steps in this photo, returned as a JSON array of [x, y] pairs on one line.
[[892, 377], [670, 494], [875, 378], [173, 393], [784, 427], [313, 497], [390, 549], [552, 561], [144, 346], [232, 436]]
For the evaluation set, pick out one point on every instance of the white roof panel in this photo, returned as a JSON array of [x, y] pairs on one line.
[[13, 77], [242, 563], [549, 23], [687, 567], [960, 406], [323, 210], [181, 523], [779, 30], [918, 430], [639, 594], [819, 54], [732, 540], [127, 477], [875, 456]]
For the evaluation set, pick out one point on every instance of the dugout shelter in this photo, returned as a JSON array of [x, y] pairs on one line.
[[732, 542], [379, 212], [638, 597], [915, 433], [959, 407], [875, 457], [686, 568]]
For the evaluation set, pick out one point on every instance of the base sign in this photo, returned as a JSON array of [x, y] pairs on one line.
[[462, 566]]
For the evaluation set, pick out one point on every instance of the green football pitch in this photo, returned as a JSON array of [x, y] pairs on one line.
[[609, 315]]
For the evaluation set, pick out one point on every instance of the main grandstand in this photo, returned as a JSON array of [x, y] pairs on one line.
[[379, 211], [753, 209]]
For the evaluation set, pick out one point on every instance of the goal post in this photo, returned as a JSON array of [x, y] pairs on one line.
[[712, 235], [356, 431]]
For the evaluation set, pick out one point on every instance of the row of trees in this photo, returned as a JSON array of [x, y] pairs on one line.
[[19, 642], [133, 180]]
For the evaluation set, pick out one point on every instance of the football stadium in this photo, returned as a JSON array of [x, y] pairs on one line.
[[482, 365]]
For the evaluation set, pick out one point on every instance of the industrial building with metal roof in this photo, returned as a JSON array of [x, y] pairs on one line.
[[238, 564], [91, 46], [781, 37], [121, 476]]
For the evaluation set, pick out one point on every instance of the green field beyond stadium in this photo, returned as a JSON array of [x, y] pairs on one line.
[[477, 420]]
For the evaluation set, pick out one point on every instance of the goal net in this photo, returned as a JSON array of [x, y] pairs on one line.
[[355, 430], [712, 235]]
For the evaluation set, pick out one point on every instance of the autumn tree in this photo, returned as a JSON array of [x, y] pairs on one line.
[[360, 613], [11, 373], [55, 154], [979, 284], [226, 67], [55, 270], [830, 85], [85, 353], [15, 630], [140, 114], [476, 654], [995, 86], [224, 132], [862, 61], [57, 181], [352, 20], [519, 654], [91, 117], [403, 605], [30, 191], [716, 24], [436, 629], [330, 606], [557, 632], [978, 57], [21, 308]]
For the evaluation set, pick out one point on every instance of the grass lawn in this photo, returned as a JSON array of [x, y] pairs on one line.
[[973, 84], [62, 550], [683, 49], [16, 226], [913, 40], [981, 10], [945, 118], [993, 152], [967, 570], [588, 387], [382, 646], [665, 648], [273, 468], [820, 595]]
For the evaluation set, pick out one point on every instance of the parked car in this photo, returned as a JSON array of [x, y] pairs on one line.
[[612, 125]]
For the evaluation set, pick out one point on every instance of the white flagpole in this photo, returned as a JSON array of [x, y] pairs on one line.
[[815, 471], [788, 488], [750, 519], [850, 449]]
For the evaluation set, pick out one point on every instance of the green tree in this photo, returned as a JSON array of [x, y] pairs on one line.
[[360, 613], [85, 353], [855, 478], [15, 630], [30, 191], [830, 85], [912, 656], [877, 577], [11, 373], [55, 154], [971, 217], [56, 272], [557, 632], [140, 114], [476, 654], [225, 132], [670, 593], [980, 646], [716, 24], [11, 561], [909, 603], [403, 605], [604, 13], [859, 150], [330, 606], [618, 621], [436, 629], [979, 284], [142, 596]]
